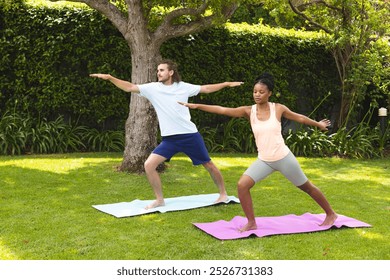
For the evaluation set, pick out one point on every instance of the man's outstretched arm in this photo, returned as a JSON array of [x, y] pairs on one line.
[[123, 85], [216, 87]]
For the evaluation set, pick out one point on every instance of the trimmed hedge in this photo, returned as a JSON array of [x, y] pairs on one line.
[[47, 54], [47, 57], [303, 69]]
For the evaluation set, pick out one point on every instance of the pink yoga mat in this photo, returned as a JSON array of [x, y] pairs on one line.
[[266, 226]]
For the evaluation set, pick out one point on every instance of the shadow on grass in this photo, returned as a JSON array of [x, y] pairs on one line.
[[47, 213]]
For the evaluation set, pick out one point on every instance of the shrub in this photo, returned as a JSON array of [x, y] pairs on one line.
[[238, 136], [22, 135], [55, 137], [309, 142], [106, 141], [357, 142], [14, 134], [210, 138], [48, 52]]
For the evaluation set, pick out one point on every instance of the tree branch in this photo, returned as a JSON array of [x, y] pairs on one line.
[[135, 22], [169, 30], [301, 14], [302, 7], [167, 23], [108, 9]]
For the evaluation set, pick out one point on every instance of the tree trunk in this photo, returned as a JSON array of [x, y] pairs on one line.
[[342, 60], [141, 125]]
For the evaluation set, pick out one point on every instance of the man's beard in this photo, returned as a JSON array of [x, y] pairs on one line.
[[162, 80]]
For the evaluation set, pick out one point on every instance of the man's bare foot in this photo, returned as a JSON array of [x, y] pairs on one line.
[[329, 220], [156, 203], [222, 198], [248, 226]]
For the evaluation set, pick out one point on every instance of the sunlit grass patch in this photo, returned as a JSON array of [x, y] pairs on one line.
[[46, 210]]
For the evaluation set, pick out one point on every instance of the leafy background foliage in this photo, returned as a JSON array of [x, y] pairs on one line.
[[21, 134], [49, 104], [49, 53]]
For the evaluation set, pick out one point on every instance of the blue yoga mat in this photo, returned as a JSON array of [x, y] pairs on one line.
[[137, 207]]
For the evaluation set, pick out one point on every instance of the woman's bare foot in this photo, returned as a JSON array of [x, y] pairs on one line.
[[222, 198], [329, 220], [248, 226], [154, 204]]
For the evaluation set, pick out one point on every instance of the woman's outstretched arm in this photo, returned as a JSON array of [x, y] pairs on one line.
[[239, 112], [288, 114]]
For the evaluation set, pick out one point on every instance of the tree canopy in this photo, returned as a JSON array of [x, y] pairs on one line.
[[360, 31]]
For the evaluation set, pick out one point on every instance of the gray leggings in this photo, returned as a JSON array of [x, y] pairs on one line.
[[288, 166]]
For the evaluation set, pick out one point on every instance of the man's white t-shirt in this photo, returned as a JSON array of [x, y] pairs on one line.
[[173, 118]]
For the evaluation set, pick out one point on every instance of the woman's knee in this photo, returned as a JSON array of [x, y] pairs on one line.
[[307, 187], [245, 183]]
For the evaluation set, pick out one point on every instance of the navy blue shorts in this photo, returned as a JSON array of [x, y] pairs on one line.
[[191, 144]]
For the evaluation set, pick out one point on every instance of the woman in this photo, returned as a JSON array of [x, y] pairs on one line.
[[273, 154]]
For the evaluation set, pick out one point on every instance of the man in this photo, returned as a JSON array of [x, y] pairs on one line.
[[178, 133]]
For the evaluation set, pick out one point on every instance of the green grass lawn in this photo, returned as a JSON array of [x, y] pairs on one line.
[[46, 210]]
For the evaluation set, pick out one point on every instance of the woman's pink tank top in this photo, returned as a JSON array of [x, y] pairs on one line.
[[268, 135]]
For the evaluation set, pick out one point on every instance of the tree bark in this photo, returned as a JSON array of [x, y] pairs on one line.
[[142, 124]]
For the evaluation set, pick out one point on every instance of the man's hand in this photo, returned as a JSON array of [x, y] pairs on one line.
[[216, 87], [101, 76], [235, 84]]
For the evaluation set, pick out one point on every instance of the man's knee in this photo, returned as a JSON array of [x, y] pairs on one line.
[[148, 166], [151, 163], [210, 166]]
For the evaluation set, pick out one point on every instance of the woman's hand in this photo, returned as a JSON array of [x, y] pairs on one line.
[[324, 124], [189, 105]]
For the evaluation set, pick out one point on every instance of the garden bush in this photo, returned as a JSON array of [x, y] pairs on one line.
[[49, 52], [22, 134]]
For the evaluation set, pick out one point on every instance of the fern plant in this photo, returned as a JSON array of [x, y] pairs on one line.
[[309, 143], [55, 137], [357, 142], [383, 139], [238, 136], [106, 141], [13, 134], [210, 139]]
